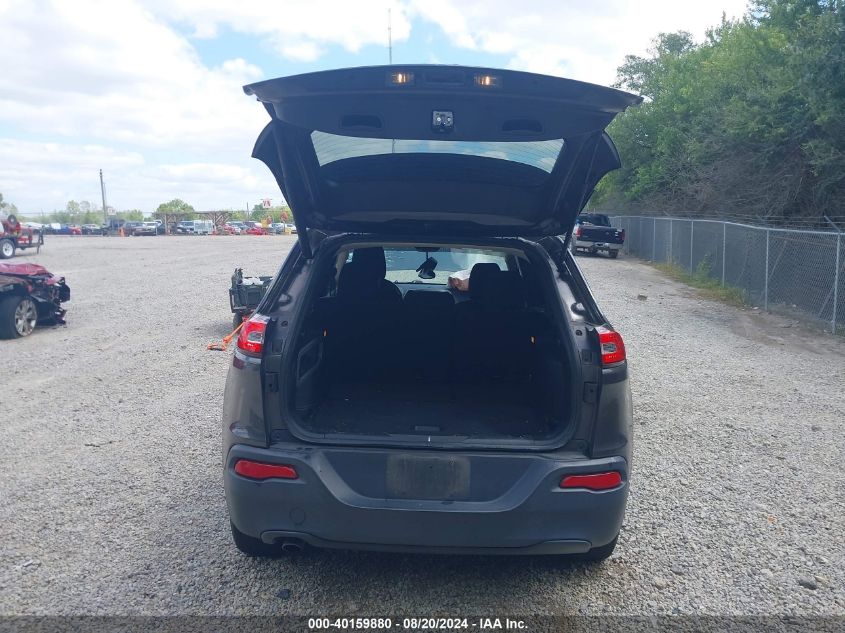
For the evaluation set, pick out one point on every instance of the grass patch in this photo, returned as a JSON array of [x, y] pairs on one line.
[[704, 283]]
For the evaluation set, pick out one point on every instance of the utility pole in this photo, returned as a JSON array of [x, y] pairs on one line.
[[103, 193]]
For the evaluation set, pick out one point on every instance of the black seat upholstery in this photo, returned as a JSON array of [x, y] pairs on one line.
[[361, 322], [427, 328], [491, 329], [372, 261]]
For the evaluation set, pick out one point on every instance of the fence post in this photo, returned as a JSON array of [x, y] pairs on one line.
[[836, 281], [691, 234], [766, 278], [654, 239], [724, 248], [671, 222]]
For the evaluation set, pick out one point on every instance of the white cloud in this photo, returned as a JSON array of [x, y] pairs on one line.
[[294, 26], [44, 176], [113, 75], [119, 85], [301, 51], [579, 40], [112, 72]]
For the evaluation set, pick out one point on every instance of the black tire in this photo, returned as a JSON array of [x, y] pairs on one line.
[[7, 248], [253, 547], [613, 254], [18, 316], [597, 554]]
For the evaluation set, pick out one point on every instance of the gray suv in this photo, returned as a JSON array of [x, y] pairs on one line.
[[428, 370]]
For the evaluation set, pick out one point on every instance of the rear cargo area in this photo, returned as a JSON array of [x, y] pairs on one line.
[[408, 407], [428, 361]]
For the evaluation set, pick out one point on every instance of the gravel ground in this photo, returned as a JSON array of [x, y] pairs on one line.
[[112, 498]]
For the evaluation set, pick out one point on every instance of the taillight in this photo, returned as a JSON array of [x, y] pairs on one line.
[[260, 470], [593, 481], [612, 346], [622, 234], [251, 336], [577, 231]]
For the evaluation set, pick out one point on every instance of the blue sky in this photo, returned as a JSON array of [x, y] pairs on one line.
[[150, 91]]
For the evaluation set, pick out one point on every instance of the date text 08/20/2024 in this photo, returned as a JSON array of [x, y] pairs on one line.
[[422, 623]]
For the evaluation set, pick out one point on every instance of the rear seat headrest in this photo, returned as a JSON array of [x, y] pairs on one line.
[[372, 259], [357, 282], [494, 287], [482, 280], [428, 300]]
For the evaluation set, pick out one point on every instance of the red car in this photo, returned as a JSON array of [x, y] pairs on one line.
[[29, 295], [256, 230]]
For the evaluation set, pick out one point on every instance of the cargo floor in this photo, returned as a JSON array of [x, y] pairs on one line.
[[407, 408]]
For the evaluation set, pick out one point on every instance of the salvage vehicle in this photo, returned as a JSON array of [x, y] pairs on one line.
[[67, 229], [195, 227], [30, 295], [146, 228], [130, 226], [594, 234], [14, 236], [245, 294], [92, 229], [428, 371]]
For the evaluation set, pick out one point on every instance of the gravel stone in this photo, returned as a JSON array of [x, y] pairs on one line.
[[808, 583], [660, 583], [119, 528]]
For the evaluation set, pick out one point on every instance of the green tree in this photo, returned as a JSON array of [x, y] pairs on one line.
[[7, 207], [131, 214], [176, 206], [749, 121]]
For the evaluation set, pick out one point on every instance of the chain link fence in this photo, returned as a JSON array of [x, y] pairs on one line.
[[786, 270]]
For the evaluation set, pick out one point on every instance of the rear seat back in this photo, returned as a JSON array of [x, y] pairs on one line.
[[492, 338], [361, 325], [427, 327]]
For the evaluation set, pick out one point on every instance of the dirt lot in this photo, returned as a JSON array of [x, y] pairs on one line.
[[112, 499]]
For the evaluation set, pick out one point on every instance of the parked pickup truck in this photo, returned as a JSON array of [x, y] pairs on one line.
[[593, 233]]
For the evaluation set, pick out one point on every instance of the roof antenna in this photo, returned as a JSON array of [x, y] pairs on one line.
[[389, 38], [390, 61]]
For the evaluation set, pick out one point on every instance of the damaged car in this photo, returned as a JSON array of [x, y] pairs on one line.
[[30, 295]]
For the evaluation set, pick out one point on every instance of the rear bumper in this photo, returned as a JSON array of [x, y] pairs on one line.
[[597, 246], [512, 504]]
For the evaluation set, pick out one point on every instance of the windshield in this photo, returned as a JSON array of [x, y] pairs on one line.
[[540, 154]]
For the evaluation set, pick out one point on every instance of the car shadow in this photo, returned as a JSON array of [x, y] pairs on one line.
[[348, 580]]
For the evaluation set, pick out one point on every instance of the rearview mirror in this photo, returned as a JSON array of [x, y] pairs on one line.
[[426, 269]]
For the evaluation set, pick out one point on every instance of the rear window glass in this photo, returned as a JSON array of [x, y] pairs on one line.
[[594, 218], [402, 264], [333, 147]]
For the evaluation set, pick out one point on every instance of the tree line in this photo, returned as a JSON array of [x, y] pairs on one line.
[[749, 122], [85, 212]]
